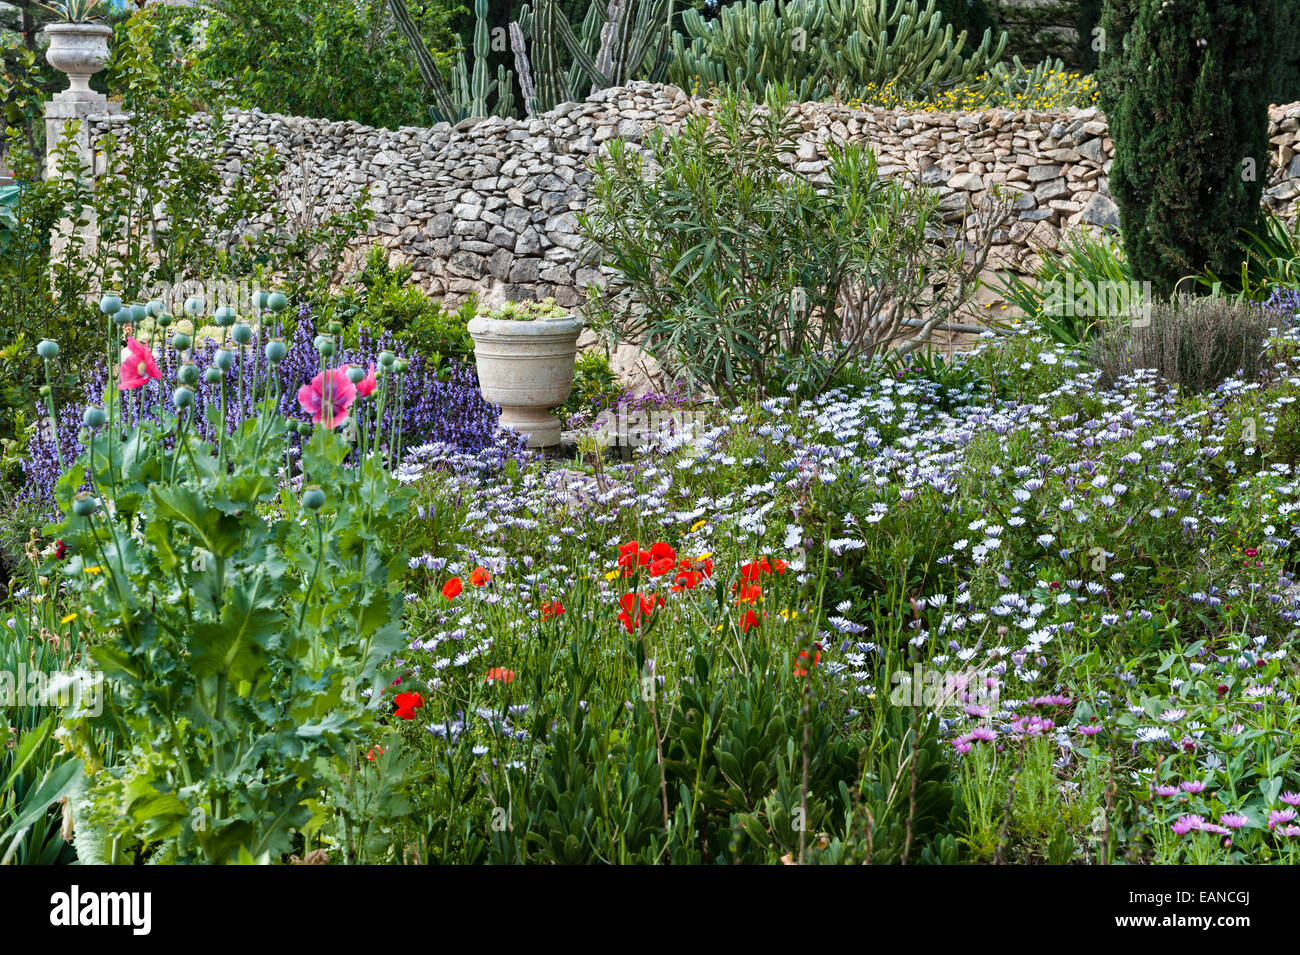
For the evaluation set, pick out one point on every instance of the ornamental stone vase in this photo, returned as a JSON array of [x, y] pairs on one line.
[[81, 51], [526, 367]]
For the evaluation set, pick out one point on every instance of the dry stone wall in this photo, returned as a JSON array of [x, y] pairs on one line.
[[488, 206]]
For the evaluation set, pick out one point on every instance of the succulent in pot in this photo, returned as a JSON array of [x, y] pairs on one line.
[[525, 352], [78, 44], [77, 11]]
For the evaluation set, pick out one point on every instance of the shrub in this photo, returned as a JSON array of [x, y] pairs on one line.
[[328, 58], [1047, 87], [1190, 125], [595, 386], [383, 302], [744, 279], [1193, 343]]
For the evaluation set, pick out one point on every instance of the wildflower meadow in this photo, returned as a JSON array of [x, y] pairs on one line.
[[603, 434]]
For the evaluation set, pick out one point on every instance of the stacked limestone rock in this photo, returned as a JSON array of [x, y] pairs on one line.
[[489, 205]]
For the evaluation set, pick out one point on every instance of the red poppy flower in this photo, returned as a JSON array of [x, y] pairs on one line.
[[636, 609], [661, 551], [631, 557], [686, 580], [661, 566], [750, 594], [552, 609], [755, 569], [407, 704], [60, 550], [749, 620], [479, 576], [374, 751], [500, 674], [451, 589]]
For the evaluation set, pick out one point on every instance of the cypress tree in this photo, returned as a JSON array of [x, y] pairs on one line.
[[1187, 101]]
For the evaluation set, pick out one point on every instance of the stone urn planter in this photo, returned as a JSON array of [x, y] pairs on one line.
[[525, 354], [81, 51]]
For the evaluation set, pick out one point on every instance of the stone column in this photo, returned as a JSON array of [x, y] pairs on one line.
[[80, 51]]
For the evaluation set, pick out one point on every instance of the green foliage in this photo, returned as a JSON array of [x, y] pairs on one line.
[[1285, 73], [734, 787], [595, 386], [1084, 263], [1270, 259], [1190, 124], [841, 46], [335, 59], [743, 279], [527, 311], [35, 775], [78, 11], [25, 81], [236, 633], [40, 296], [384, 300]]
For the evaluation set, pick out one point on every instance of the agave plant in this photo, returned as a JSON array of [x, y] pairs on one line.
[[77, 11]]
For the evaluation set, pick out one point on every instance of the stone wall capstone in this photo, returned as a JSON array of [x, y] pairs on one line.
[[488, 206]]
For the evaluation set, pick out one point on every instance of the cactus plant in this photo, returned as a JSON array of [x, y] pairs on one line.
[[815, 46], [633, 43], [469, 91]]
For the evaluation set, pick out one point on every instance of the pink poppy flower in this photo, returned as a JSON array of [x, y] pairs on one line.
[[138, 367], [328, 397]]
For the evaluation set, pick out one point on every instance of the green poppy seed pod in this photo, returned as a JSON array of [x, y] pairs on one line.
[[402, 365], [110, 304], [223, 359], [155, 307], [163, 320], [386, 358], [213, 376], [304, 427], [94, 417], [313, 498], [182, 397], [139, 313], [334, 328], [193, 305], [276, 301], [124, 315], [276, 350], [48, 349], [181, 341], [241, 333], [225, 316], [188, 373], [260, 300], [325, 346], [83, 505], [45, 391], [356, 374]]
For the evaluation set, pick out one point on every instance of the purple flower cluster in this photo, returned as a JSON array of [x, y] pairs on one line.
[[448, 410]]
